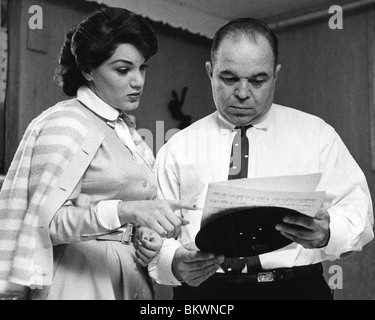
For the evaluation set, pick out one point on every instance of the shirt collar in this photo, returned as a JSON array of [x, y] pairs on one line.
[[265, 122], [225, 124], [261, 124], [97, 105]]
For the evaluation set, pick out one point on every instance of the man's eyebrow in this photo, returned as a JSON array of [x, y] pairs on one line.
[[261, 74], [258, 75], [227, 73]]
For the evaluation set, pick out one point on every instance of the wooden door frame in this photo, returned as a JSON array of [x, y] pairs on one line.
[[371, 57]]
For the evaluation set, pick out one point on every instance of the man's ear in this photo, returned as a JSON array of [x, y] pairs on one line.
[[88, 76], [277, 72], [209, 69]]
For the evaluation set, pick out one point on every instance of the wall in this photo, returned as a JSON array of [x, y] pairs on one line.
[[34, 57], [326, 73], [30, 87], [179, 63]]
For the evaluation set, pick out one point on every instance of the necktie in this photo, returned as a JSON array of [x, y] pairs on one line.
[[123, 132], [239, 170], [240, 155], [126, 132]]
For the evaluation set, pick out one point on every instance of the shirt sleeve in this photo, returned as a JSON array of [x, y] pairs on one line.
[[108, 215], [160, 269], [80, 219], [351, 210]]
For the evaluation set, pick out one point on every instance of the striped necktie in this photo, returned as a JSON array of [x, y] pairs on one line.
[[239, 170]]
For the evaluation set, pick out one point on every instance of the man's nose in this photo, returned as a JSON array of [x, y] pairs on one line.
[[242, 92]]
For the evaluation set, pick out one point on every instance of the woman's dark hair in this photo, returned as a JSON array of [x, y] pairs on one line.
[[248, 27], [96, 39]]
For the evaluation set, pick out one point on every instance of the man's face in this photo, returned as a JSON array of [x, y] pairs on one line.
[[243, 79]]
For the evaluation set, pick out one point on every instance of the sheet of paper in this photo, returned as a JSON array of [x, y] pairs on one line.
[[304, 183], [240, 194]]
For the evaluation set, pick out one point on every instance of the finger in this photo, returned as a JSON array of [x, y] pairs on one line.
[[143, 261], [191, 246], [290, 237], [204, 276], [176, 223], [148, 254], [144, 257], [201, 265], [305, 222], [182, 205], [330, 197], [298, 233], [150, 238], [322, 214], [305, 244], [143, 232], [168, 227], [135, 244], [152, 246], [158, 228], [191, 257]]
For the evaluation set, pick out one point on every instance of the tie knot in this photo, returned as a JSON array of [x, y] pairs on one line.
[[243, 129], [129, 122]]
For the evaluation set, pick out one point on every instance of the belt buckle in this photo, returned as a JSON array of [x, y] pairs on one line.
[[127, 234], [275, 276], [265, 277]]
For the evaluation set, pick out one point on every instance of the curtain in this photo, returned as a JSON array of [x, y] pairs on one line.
[[3, 79], [173, 13]]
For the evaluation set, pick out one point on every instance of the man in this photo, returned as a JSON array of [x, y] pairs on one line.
[[275, 141]]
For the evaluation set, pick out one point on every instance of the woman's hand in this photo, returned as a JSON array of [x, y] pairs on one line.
[[157, 215], [147, 244]]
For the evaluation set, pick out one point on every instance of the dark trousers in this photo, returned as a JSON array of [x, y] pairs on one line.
[[308, 287]]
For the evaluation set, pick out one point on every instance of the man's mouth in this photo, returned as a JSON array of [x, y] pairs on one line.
[[241, 108], [134, 96]]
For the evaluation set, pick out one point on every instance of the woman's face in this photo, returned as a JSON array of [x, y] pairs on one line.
[[119, 81]]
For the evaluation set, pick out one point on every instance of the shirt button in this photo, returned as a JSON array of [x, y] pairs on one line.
[[145, 184]]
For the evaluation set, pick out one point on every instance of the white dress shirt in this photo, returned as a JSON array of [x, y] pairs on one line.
[[284, 142]]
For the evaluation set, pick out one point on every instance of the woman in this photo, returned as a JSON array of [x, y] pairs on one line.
[[82, 182]]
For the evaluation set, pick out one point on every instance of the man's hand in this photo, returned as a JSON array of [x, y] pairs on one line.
[[311, 233], [194, 267]]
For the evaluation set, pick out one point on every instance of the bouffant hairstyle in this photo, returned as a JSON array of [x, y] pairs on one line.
[[96, 39]]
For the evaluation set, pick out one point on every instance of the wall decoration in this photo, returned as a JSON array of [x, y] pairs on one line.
[[3, 63], [3, 10], [3, 78], [175, 107]]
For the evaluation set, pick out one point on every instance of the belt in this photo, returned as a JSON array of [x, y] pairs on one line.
[[123, 235], [269, 276]]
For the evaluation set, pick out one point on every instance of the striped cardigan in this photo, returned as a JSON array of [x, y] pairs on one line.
[[51, 159]]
